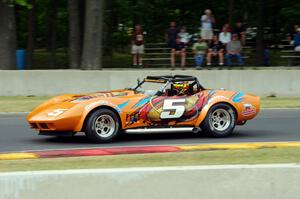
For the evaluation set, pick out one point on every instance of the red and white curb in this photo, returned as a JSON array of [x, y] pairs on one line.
[[143, 150]]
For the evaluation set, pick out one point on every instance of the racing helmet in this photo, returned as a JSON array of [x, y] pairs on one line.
[[181, 88]]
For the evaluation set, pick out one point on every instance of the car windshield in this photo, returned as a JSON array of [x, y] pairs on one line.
[[151, 88]]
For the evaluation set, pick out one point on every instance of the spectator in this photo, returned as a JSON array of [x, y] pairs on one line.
[[184, 35], [227, 27], [296, 26], [240, 30], [296, 41], [215, 49], [178, 49], [171, 34], [225, 36], [266, 56], [199, 50], [290, 36], [137, 49], [234, 48], [207, 21]]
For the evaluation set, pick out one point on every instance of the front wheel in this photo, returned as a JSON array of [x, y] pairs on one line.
[[219, 121], [102, 126]]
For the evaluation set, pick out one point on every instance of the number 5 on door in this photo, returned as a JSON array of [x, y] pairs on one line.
[[173, 108]]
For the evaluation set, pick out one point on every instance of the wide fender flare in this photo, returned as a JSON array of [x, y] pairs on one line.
[[92, 106], [210, 104]]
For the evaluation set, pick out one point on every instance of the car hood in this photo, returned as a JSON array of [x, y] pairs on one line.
[[68, 101], [77, 98]]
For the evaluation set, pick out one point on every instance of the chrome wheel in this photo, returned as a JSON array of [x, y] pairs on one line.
[[220, 119], [105, 126]]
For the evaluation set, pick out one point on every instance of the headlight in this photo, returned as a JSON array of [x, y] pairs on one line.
[[57, 112]]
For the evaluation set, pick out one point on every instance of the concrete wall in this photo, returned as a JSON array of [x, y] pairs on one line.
[[213, 182], [52, 82]]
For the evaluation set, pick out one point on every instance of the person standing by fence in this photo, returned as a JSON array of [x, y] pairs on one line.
[[171, 34], [207, 21], [137, 49]]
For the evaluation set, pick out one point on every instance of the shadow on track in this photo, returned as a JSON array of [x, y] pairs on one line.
[[126, 138]]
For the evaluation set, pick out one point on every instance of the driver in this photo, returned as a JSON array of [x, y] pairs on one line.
[[181, 88]]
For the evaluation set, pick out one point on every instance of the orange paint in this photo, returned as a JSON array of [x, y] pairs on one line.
[[135, 110]]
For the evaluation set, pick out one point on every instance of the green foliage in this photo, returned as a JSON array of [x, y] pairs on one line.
[[154, 16], [23, 3]]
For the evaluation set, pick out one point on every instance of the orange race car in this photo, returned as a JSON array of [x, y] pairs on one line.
[[178, 103]]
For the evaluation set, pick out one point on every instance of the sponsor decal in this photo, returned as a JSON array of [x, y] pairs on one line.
[[238, 97], [142, 102], [120, 106], [164, 110], [248, 109], [173, 108]]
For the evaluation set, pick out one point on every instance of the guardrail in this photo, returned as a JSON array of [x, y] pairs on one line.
[[53, 82]]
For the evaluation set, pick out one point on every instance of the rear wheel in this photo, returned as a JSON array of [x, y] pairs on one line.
[[219, 121], [102, 126]]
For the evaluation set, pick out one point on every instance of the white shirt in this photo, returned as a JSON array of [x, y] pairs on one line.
[[206, 22], [225, 38], [184, 37]]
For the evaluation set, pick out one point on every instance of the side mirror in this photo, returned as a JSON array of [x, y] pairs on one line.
[[159, 93]]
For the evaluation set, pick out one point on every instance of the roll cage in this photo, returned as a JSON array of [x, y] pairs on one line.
[[166, 80]]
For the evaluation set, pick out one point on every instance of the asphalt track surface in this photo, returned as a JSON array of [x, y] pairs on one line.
[[271, 125]]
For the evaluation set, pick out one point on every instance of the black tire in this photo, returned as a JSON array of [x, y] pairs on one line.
[[214, 127], [94, 133]]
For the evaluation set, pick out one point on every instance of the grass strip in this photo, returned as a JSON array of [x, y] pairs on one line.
[[20, 103], [277, 102], [247, 156], [26, 104]]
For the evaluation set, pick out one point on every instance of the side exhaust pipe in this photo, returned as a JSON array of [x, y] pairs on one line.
[[162, 130], [196, 130]]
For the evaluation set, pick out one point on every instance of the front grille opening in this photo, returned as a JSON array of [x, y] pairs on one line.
[[43, 125], [33, 125]]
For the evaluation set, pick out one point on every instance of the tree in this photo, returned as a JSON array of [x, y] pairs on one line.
[[74, 51], [92, 39], [230, 11], [31, 32], [260, 32], [108, 29], [7, 36], [51, 30]]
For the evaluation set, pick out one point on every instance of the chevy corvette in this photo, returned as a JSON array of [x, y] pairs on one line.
[[178, 103]]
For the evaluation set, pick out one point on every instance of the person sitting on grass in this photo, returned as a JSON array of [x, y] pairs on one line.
[[199, 50], [178, 49], [234, 48], [215, 49]]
